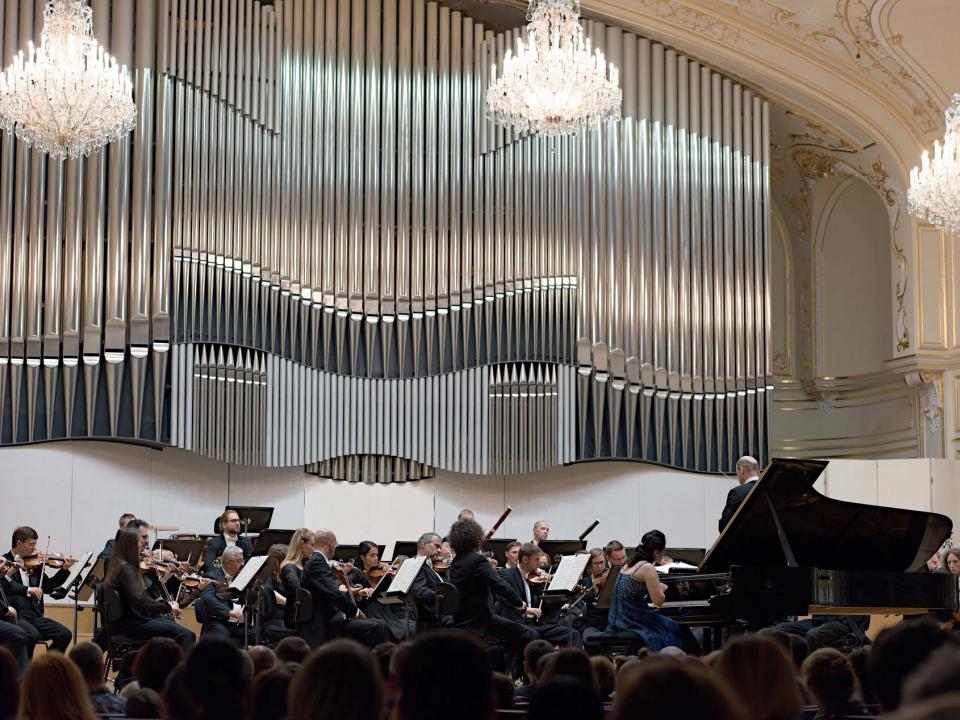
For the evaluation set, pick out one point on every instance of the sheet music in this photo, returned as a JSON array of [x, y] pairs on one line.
[[78, 567], [569, 572], [674, 566], [249, 572], [406, 574]]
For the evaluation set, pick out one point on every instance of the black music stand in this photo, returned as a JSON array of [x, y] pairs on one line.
[[404, 547], [605, 598], [348, 553], [184, 550], [552, 548], [499, 548], [247, 584], [269, 537], [252, 519]]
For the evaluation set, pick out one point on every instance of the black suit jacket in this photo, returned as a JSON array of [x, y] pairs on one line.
[[215, 547], [514, 577], [734, 498], [478, 583], [423, 591], [212, 607], [328, 601], [16, 591]]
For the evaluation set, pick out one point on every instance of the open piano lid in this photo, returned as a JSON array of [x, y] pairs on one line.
[[822, 532]]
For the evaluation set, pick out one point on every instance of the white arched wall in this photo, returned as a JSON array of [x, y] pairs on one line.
[[851, 280]]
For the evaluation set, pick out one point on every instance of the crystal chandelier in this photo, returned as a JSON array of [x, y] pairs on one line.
[[67, 97], [934, 194], [555, 84]]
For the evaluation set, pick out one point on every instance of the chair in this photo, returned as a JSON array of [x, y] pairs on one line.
[[303, 610], [119, 647]]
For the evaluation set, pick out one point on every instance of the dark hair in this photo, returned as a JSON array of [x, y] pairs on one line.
[[338, 680], [217, 679], [155, 661], [144, 703], [829, 678], [604, 676], [9, 684], [22, 533], [176, 699], [760, 672], [532, 653], [88, 657], [799, 649], [502, 691], [126, 518], [466, 536], [858, 661], [939, 675], [383, 653], [529, 550], [952, 551], [138, 523], [292, 649], [362, 549], [512, 545], [262, 657], [664, 687], [896, 652], [567, 663], [442, 671], [649, 543], [270, 691], [126, 549], [565, 698]]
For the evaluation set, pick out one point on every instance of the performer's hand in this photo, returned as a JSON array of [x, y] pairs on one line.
[[11, 569], [69, 562], [533, 612], [11, 613], [365, 592], [281, 600], [175, 609], [35, 592], [236, 615], [359, 615]]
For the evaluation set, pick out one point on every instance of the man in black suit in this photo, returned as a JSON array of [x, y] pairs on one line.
[[229, 537], [27, 588], [222, 616], [748, 472], [424, 585], [532, 593], [107, 551], [13, 635], [335, 614], [477, 583]]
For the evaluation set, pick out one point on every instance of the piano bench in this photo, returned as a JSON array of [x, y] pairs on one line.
[[613, 644]]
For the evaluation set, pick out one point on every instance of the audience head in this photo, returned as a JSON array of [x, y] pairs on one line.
[[155, 661], [747, 467], [780, 637], [604, 676], [760, 673], [650, 549], [465, 536], [292, 649], [144, 703], [502, 691], [54, 689], [217, 678], [88, 657], [532, 653], [270, 690], [938, 675], [567, 663], [383, 654], [944, 707], [615, 553], [897, 651], [177, 704], [9, 684], [338, 681], [263, 658], [565, 698], [442, 671], [858, 661], [829, 678], [661, 687]]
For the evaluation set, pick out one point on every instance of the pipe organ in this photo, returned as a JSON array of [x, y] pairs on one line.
[[314, 249]]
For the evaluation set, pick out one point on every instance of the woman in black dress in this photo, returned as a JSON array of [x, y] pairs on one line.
[[141, 615], [367, 573], [291, 571]]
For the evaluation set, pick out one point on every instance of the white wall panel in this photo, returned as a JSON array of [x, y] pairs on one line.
[[945, 489], [904, 483], [852, 480], [38, 493]]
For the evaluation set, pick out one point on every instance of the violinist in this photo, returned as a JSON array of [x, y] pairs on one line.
[[14, 636], [528, 580], [424, 585], [594, 618], [367, 573], [107, 551], [31, 583], [272, 617], [223, 615], [141, 615], [299, 552]]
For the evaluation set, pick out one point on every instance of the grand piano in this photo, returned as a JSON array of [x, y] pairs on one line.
[[791, 551]]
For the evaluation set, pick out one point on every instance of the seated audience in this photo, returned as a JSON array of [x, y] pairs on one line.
[[858, 661], [663, 687], [382, 654], [9, 685], [569, 664], [604, 676], [565, 698], [144, 703], [262, 657], [53, 689], [938, 675], [177, 704], [155, 661], [88, 658], [502, 691], [292, 650], [339, 681], [760, 673], [532, 653], [897, 651], [831, 683], [270, 690], [217, 679], [945, 707]]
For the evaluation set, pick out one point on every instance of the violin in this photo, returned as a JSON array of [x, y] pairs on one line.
[[539, 577], [51, 560], [378, 571]]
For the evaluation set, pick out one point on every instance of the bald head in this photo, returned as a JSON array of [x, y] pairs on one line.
[[747, 467]]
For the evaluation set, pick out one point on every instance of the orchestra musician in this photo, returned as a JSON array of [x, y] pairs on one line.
[[141, 616], [335, 613], [107, 551], [273, 617], [223, 616], [424, 585], [229, 537], [28, 586], [367, 572], [299, 552], [13, 635], [465, 514], [748, 472], [512, 554], [541, 531], [526, 579], [477, 582], [615, 553]]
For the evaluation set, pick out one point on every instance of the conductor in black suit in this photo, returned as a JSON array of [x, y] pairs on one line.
[[477, 583], [335, 614], [423, 589], [229, 537], [748, 472]]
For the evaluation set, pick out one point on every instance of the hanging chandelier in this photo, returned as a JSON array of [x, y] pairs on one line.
[[67, 97], [555, 84], [934, 194]]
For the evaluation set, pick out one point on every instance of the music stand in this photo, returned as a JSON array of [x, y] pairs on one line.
[[605, 598], [399, 587], [74, 581], [190, 551], [348, 553], [251, 577], [499, 548], [252, 519], [404, 547], [269, 537], [552, 548]]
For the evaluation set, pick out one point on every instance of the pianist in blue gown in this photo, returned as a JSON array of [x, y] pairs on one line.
[[638, 585]]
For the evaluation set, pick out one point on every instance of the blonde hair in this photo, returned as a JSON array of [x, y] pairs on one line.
[[54, 689], [293, 549]]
